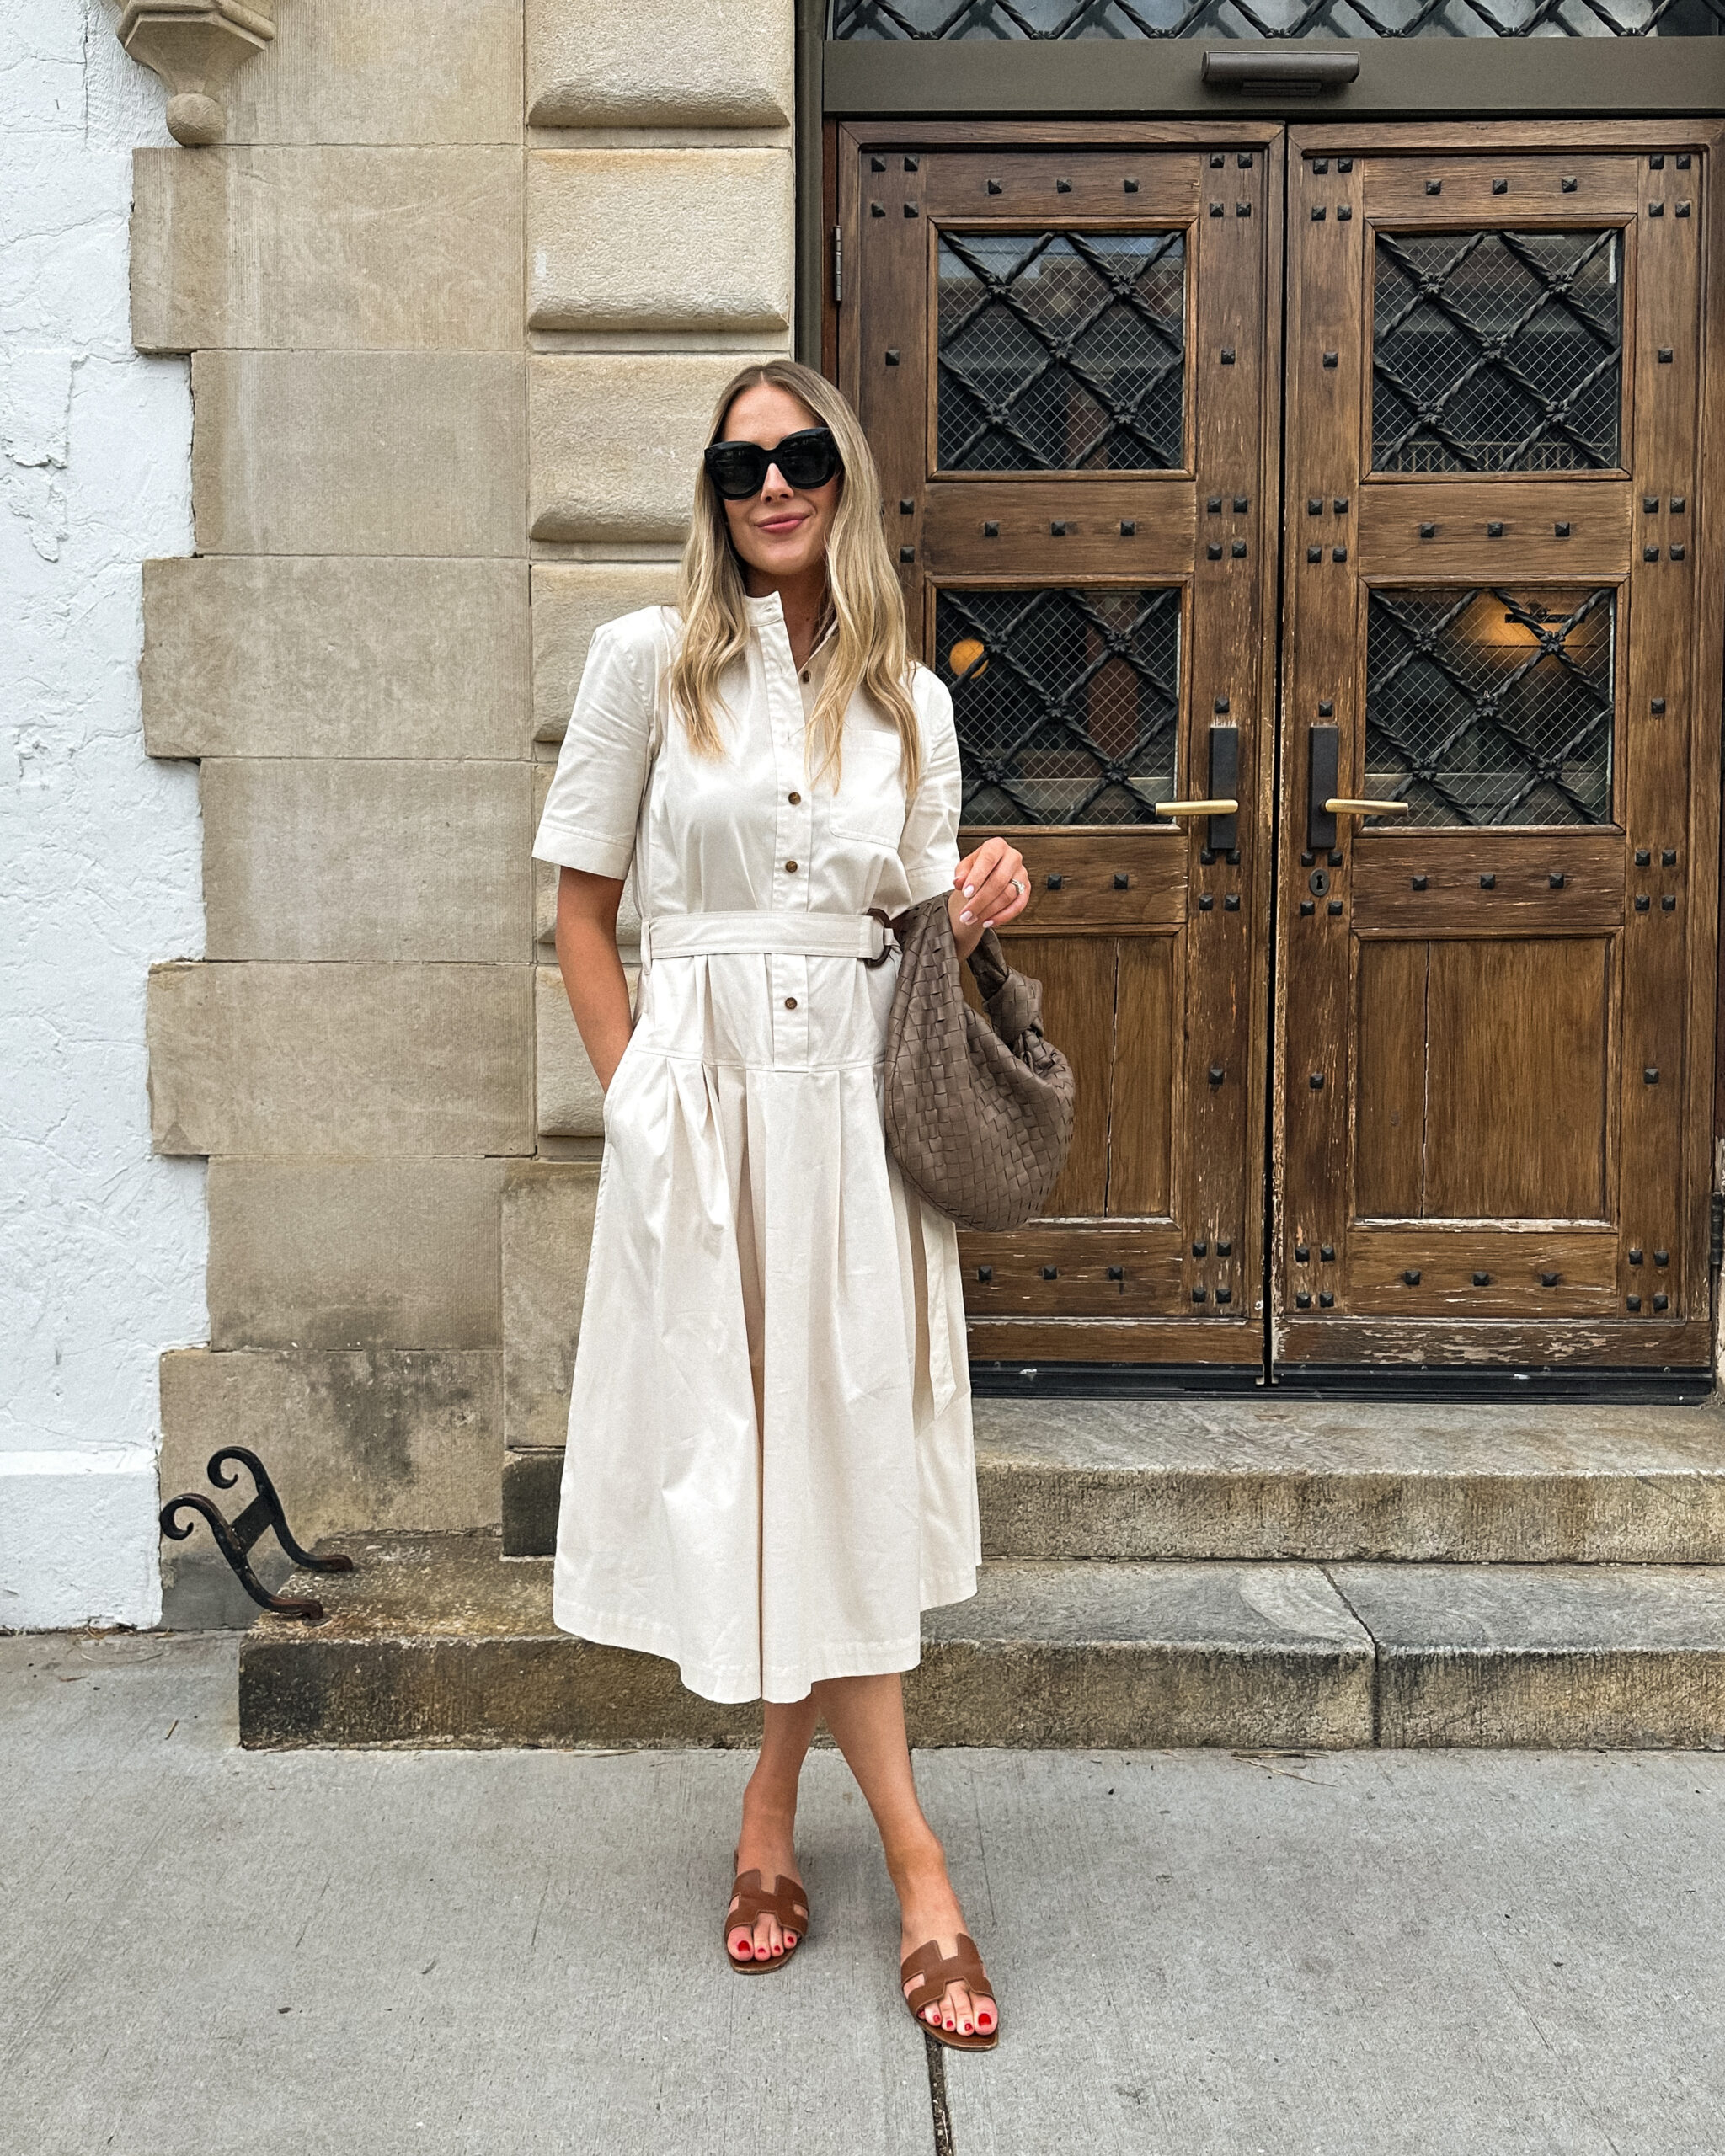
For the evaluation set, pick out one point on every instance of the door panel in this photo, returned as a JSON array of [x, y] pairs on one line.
[[1416, 529], [1111, 1003], [1517, 1040], [1454, 1118], [1078, 1005], [1494, 348], [1065, 357], [1141, 1112], [1487, 1035], [1391, 990], [1491, 704], [1501, 882], [1494, 1058], [1515, 1265]]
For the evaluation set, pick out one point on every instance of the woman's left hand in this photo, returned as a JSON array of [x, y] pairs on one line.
[[990, 888]]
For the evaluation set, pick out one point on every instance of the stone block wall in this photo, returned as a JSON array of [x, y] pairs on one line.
[[458, 290]]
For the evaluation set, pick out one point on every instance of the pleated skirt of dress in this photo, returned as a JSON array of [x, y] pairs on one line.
[[770, 1472]]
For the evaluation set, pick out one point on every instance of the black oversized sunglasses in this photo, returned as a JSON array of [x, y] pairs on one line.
[[739, 469]]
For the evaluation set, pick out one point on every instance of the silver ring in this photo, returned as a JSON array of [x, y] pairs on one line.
[[1014, 884]]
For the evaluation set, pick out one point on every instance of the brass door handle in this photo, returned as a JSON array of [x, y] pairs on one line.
[[1337, 807], [1223, 808]]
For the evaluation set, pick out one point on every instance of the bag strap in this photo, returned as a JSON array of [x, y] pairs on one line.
[[988, 965]]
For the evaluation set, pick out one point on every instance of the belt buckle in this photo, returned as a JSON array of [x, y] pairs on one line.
[[887, 944]]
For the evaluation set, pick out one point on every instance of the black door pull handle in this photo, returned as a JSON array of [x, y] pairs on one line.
[[1224, 783], [1323, 752], [1260, 73]]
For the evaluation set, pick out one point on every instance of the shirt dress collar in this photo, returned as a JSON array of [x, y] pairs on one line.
[[766, 617]]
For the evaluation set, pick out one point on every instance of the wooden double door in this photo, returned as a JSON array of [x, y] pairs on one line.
[[1311, 526]]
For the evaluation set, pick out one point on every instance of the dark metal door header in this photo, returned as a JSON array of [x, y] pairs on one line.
[[1100, 79]]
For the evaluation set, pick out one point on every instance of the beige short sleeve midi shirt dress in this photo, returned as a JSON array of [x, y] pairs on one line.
[[770, 1472]]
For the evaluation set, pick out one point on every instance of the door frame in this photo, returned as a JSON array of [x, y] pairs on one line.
[[1073, 90]]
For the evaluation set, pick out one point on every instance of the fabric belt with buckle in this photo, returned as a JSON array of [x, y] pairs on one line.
[[796, 934]]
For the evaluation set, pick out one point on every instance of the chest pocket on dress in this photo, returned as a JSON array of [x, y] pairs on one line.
[[869, 803]]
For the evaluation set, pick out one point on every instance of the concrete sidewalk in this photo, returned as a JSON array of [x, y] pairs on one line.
[[204, 1951]]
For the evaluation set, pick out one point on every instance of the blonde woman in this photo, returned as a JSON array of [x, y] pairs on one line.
[[770, 1474]]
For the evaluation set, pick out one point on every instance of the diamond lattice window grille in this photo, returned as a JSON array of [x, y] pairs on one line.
[[1066, 703], [1061, 351], [1016, 20], [1497, 351], [1487, 706]]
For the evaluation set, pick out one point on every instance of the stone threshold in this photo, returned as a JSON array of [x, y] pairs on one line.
[[440, 1640], [1325, 1482]]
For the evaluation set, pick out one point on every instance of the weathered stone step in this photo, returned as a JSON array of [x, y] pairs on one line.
[[1332, 1481], [440, 1640], [1607, 1656], [1325, 1482]]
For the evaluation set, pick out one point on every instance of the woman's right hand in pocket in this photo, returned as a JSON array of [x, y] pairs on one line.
[[592, 976]]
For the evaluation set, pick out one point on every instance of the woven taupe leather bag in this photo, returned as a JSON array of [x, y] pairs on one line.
[[979, 1113]]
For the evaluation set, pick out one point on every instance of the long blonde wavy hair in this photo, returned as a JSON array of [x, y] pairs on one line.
[[872, 651]]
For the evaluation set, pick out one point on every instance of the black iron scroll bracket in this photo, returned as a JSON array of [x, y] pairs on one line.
[[234, 1537]]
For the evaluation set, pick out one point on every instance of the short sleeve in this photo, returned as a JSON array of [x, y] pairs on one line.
[[928, 846], [590, 812]]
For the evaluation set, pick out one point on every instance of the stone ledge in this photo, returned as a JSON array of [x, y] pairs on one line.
[[1608, 1656], [389, 453], [361, 1060], [616, 440], [197, 47], [1076, 1655], [251, 655], [367, 859], [321, 248], [344, 1255], [443, 1642], [1177, 1481], [723, 227], [655, 64], [1341, 1482]]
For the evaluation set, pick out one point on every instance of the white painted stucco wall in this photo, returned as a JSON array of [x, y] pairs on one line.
[[101, 1244]]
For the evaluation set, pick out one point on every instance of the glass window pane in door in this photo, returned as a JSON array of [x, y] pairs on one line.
[[1497, 351], [1123, 20], [1061, 351], [1489, 707], [1066, 703]]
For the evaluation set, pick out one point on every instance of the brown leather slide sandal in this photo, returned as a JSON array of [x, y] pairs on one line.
[[931, 1976], [750, 1901]]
